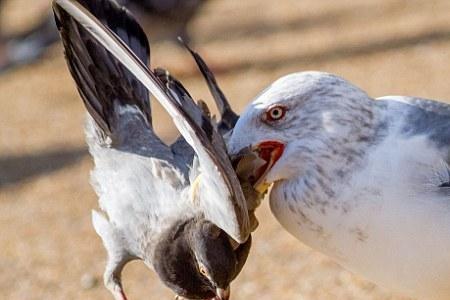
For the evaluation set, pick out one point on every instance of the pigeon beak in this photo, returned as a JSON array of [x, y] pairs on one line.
[[270, 152], [223, 294]]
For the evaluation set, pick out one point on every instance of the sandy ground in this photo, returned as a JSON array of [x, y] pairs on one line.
[[48, 249]]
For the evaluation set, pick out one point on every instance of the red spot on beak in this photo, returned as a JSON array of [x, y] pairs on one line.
[[270, 152]]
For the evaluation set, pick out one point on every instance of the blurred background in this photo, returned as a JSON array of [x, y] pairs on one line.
[[48, 249]]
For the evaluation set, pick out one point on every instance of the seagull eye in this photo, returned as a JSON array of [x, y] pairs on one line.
[[275, 113]]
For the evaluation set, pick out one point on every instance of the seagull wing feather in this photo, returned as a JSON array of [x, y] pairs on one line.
[[430, 119]]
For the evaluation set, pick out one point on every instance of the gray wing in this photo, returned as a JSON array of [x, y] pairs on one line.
[[135, 172], [222, 200], [424, 117], [135, 175], [421, 117]]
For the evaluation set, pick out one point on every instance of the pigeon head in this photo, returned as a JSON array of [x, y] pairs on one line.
[[301, 119], [197, 260]]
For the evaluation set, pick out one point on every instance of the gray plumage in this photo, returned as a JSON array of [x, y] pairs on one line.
[[164, 205]]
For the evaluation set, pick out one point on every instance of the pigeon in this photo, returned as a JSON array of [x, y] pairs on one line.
[[365, 181], [178, 208]]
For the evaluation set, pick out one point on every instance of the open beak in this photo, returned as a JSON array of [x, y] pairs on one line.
[[222, 294], [270, 152], [253, 164]]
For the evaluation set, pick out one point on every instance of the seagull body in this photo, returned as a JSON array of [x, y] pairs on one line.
[[364, 181], [176, 207]]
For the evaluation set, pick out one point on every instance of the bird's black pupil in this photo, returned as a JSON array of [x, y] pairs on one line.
[[276, 113]]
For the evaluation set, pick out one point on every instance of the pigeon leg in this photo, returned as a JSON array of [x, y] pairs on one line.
[[112, 277], [118, 256]]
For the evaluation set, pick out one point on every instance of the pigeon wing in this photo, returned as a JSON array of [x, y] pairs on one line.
[[135, 171], [136, 177]]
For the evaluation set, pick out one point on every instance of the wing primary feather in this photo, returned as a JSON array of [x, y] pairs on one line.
[[228, 116], [104, 84]]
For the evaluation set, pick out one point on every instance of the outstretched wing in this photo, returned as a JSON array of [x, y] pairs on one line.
[[222, 200], [135, 172], [101, 81]]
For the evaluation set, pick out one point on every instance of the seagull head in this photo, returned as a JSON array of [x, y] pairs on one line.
[[297, 121], [197, 260]]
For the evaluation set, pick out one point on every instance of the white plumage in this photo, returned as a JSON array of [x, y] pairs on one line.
[[364, 181]]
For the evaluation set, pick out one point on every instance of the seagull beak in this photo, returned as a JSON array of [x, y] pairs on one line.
[[270, 152], [254, 163], [222, 294]]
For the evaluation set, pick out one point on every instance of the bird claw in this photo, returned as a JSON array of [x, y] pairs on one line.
[[194, 189]]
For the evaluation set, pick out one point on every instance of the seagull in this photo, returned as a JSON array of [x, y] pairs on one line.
[[364, 181], [178, 208]]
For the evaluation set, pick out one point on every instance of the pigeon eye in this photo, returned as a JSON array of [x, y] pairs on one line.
[[203, 271], [275, 113]]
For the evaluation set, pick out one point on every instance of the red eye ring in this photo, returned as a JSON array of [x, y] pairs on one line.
[[275, 113]]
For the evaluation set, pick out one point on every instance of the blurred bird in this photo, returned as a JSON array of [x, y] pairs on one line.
[[365, 182], [174, 207], [24, 48], [162, 19], [165, 18]]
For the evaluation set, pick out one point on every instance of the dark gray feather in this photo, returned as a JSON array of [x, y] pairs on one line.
[[101, 80], [106, 87], [228, 117]]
